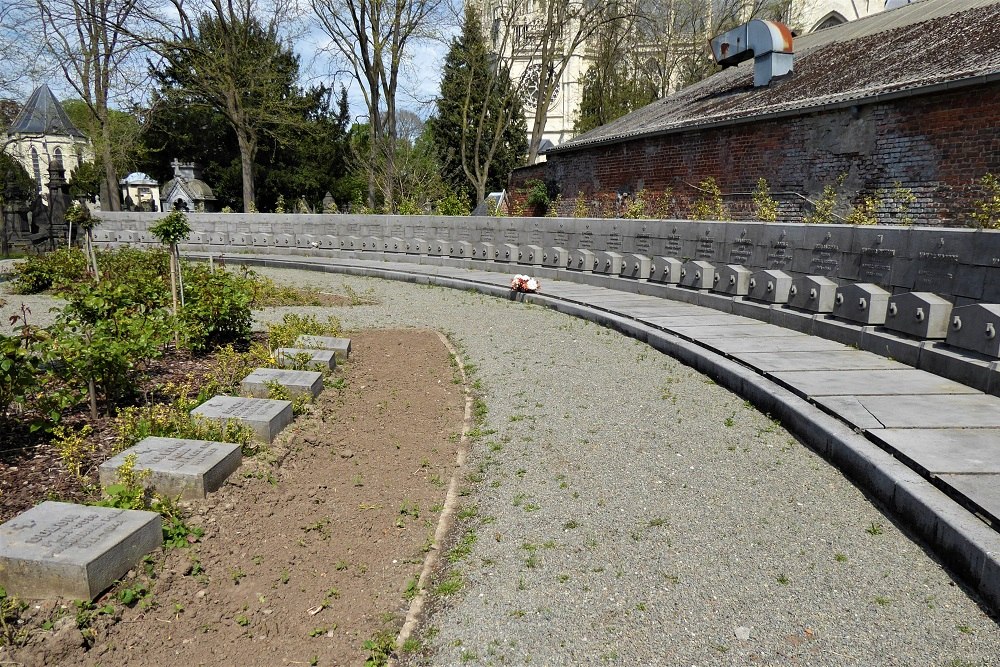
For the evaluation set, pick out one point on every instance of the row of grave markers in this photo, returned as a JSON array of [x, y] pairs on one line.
[[64, 550]]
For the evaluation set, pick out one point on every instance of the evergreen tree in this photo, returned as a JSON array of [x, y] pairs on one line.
[[479, 130]]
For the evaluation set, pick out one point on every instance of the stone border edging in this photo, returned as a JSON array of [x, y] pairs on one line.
[[964, 544], [447, 520]]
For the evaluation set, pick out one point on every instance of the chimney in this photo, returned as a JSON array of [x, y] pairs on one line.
[[769, 43]]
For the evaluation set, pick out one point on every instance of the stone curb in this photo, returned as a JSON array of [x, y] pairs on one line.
[[966, 545]]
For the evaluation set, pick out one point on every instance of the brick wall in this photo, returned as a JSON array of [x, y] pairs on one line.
[[933, 145]]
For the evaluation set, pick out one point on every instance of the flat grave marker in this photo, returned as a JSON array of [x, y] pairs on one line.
[[289, 357], [296, 383], [190, 469], [341, 346], [73, 551], [265, 416]]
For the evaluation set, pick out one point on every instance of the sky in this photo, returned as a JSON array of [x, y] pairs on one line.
[[418, 87]]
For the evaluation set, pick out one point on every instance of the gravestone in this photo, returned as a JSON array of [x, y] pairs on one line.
[[608, 262], [697, 274], [666, 270], [341, 346], [556, 257], [770, 286], [190, 469], [530, 254], [296, 383], [635, 265], [732, 279], [484, 250], [265, 416], [866, 303], [583, 260], [73, 551], [289, 357], [813, 293], [919, 314], [975, 327]]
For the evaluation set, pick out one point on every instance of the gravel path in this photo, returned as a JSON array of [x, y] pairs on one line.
[[631, 512], [38, 305]]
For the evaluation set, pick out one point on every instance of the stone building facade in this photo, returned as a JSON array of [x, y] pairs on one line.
[[563, 109], [43, 134], [892, 101]]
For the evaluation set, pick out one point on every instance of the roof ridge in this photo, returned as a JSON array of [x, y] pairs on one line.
[[43, 114]]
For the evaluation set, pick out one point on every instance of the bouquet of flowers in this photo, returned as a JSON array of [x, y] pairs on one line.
[[521, 283]]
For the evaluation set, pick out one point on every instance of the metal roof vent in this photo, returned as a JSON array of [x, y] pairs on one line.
[[769, 43]]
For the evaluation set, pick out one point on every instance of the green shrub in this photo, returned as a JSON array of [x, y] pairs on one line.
[[822, 213], [172, 228], [18, 374], [764, 205], [133, 424], [453, 204], [217, 308], [54, 269], [105, 336], [986, 211], [709, 204], [292, 326], [538, 194]]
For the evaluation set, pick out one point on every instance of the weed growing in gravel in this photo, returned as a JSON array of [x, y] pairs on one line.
[[874, 529], [840, 558], [463, 547], [451, 584], [783, 580]]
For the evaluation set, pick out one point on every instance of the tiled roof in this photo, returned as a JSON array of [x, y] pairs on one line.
[[42, 114], [903, 51]]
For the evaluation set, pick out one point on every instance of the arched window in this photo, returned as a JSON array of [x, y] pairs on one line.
[[58, 154], [36, 168], [830, 20]]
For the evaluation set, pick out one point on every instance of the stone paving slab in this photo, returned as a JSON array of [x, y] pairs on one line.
[[983, 490], [941, 451], [915, 412], [819, 360], [265, 416], [190, 469], [701, 320], [906, 381], [709, 333], [791, 341], [296, 383], [73, 551]]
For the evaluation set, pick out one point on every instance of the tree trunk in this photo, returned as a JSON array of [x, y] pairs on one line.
[[248, 150], [173, 294], [537, 129], [92, 396], [114, 202]]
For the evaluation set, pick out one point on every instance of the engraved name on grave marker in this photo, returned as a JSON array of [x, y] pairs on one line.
[[179, 467], [76, 551]]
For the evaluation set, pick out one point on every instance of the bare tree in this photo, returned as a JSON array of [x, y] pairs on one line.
[[18, 50], [372, 39], [93, 44]]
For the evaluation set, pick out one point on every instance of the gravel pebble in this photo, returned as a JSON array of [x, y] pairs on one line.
[[633, 512]]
